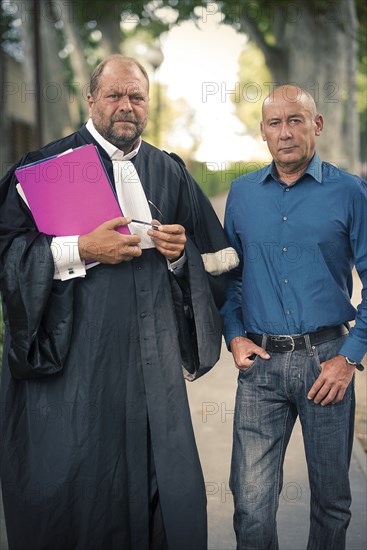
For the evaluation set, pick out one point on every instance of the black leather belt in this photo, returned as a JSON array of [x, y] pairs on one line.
[[295, 342]]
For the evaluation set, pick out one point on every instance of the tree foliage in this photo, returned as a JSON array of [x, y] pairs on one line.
[[252, 71], [99, 27], [268, 23]]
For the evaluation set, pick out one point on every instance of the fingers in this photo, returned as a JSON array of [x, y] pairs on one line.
[[315, 388], [262, 353], [128, 253], [122, 249], [246, 360], [116, 222], [106, 245], [332, 383], [172, 229], [110, 251], [169, 239], [326, 394], [245, 351], [169, 233]]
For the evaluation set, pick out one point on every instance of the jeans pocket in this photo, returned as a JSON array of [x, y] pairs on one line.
[[316, 362], [325, 351], [250, 369]]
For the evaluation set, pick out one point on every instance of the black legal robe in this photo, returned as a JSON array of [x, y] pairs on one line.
[[88, 365]]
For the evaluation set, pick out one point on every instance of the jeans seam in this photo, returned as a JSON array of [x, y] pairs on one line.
[[280, 462], [287, 365]]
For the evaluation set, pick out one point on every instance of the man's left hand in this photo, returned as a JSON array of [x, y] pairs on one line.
[[169, 240], [331, 384]]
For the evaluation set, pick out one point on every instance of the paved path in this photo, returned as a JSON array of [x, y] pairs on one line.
[[212, 403]]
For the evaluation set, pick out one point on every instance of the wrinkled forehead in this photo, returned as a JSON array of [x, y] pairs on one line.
[[124, 79], [284, 107], [287, 100]]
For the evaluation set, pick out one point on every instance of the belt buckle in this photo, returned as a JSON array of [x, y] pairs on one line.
[[282, 338]]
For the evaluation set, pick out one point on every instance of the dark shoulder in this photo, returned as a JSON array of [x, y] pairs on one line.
[[55, 147], [50, 149], [161, 158]]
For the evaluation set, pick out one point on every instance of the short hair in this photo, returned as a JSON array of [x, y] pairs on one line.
[[95, 76]]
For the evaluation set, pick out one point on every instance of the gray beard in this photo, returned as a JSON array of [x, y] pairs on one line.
[[123, 142]]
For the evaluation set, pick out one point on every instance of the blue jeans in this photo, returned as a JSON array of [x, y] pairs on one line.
[[270, 396]]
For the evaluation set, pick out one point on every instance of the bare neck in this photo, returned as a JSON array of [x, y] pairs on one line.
[[288, 179], [288, 174]]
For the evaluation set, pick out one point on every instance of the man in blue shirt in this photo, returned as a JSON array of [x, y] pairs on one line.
[[299, 227]]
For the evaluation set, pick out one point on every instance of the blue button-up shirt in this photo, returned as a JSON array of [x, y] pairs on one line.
[[297, 245]]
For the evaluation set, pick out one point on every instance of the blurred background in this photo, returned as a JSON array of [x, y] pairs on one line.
[[211, 65]]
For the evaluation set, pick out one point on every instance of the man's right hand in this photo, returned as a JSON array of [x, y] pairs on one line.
[[107, 246], [242, 348]]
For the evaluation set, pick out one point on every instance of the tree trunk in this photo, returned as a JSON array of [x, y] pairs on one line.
[[352, 131], [316, 49], [55, 90], [5, 144], [111, 33], [79, 64]]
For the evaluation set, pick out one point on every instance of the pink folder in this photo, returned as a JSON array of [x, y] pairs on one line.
[[70, 194]]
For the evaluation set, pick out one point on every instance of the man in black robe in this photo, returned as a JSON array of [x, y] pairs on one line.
[[97, 445]]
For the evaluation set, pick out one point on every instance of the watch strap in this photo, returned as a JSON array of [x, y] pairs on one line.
[[358, 366]]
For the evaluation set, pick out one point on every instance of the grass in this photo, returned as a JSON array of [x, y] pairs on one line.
[[215, 178]]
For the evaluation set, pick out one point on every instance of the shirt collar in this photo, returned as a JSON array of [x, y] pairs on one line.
[[314, 169], [109, 147]]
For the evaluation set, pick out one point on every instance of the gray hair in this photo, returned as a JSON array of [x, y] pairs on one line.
[[95, 76]]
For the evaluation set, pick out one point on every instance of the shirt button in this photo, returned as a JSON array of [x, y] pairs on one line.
[[288, 312], [142, 315], [285, 218], [285, 249], [287, 189], [286, 281]]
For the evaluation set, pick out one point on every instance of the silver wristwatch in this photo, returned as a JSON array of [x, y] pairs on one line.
[[354, 363]]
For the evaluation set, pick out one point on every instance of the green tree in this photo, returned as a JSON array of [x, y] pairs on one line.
[[313, 44], [253, 74]]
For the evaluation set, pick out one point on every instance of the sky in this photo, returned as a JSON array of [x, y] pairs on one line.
[[201, 65]]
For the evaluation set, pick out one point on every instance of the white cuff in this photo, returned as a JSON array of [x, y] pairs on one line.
[[65, 252], [177, 266]]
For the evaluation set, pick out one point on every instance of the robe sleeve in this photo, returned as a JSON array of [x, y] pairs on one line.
[[37, 312], [197, 316]]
